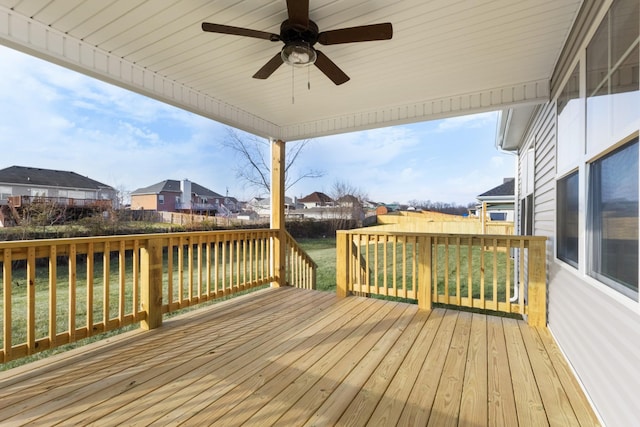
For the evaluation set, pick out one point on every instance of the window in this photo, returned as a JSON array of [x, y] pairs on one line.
[[161, 199], [570, 146], [567, 222], [613, 94], [498, 216], [613, 219]]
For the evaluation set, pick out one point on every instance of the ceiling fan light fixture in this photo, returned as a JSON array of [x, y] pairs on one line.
[[298, 54]]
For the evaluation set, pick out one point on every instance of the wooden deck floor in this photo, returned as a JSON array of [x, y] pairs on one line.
[[297, 357]]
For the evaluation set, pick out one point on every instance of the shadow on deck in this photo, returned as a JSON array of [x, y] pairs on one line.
[[286, 356]]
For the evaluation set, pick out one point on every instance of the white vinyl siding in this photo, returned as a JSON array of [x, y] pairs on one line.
[[587, 323], [595, 327]]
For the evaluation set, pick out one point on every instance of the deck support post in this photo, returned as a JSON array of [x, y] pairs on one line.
[[343, 240], [278, 212], [424, 273], [537, 284], [151, 283]]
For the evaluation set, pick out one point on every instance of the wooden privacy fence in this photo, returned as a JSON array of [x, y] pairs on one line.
[[490, 272], [57, 291]]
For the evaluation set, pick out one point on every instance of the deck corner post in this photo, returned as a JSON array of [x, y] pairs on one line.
[[537, 284], [342, 264], [424, 273], [278, 167], [151, 283]]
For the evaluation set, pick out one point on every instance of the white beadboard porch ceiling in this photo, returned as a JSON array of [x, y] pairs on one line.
[[446, 58]]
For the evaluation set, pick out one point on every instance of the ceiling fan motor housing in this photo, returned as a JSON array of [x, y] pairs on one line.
[[294, 33]]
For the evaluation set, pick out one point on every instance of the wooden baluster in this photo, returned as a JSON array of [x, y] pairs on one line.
[[180, 270], [90, 288], [470, 272], [482, 271], [31, 300], [122, 282], [404, 266], [458, 285], [72, 292], [106, 277], [6, 292], [507, 279], [190, 268], [53, 301], [135, 296], [495, 274]]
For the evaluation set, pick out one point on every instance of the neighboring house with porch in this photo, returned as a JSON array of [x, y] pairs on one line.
[[498, 204], [21, 186], [182, 196]]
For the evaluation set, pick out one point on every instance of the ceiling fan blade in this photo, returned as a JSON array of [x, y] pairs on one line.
[[363, 33], [298, 13], [330, 69], [237, 31], [268, 68]]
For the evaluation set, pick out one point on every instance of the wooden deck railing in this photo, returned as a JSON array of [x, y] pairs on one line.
[[491, 272], [58, 291], [301, 269], [20, 201]]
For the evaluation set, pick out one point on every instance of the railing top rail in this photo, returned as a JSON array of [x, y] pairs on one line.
[[293, 242], [452, 235], [116, 238]]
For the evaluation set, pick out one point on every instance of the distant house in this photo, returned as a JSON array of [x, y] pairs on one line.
[[182, 196], [498, 204], [316, 199], [48, 183], [262, 205], [22, 186]]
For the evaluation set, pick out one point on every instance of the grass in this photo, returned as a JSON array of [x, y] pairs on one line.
[[323, 252]]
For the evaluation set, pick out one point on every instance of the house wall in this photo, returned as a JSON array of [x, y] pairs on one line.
[[144, 201], [597, 329]]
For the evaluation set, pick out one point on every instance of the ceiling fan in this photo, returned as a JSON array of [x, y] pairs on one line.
[[299, 34]]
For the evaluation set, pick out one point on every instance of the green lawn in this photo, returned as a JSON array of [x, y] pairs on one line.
[[323, 252]]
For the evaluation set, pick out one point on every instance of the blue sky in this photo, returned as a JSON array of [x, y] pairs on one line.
[[54, 118]]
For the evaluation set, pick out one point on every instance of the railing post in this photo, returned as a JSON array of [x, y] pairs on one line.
[[151, 283], [424, 273], [277, 211], [342, 264], [537, 284]]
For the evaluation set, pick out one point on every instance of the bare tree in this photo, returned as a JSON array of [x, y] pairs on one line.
[[255, 160], [349, 201]]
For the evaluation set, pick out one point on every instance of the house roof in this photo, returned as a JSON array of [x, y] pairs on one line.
[[49, 178], [446, 58], [173, 186], [506, 189], [316, 197]]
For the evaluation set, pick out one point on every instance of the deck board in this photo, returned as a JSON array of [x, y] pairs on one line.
[[287, 356]]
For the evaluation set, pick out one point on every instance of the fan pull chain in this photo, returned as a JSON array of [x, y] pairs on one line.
[[293, 98], [308, 78]]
